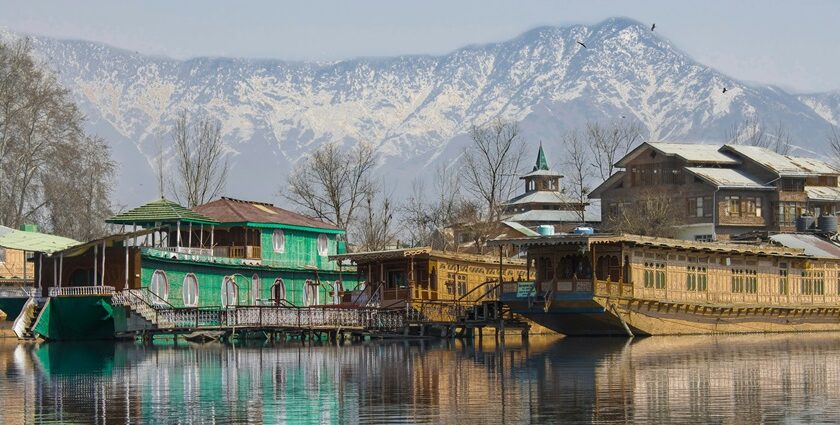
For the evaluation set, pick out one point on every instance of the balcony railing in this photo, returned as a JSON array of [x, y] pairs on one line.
[[81, 291], [186, 250], [247, 251]]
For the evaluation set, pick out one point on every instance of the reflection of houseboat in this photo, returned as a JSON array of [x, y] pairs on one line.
[[624, 284], [395, 277], [223, 254]]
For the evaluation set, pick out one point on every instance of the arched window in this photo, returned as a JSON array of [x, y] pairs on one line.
[[230, 292], [278, 290], [323, 245], [255, 289], [278, 239], [310, 293], [159, 286], [189, 290]]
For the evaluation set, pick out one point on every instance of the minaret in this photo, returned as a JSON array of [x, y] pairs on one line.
[[541, 178]]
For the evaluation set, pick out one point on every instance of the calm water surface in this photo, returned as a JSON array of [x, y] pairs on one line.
[[725, 379]]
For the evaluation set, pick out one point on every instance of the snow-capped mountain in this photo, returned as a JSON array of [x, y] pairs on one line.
[[416, 109]]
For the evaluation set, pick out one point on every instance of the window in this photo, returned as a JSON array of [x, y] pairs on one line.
[[704, 238], [278, 290], [256, 287], [813, 283], [278, 239], [654, 275], [783, 279], [159, 286], [310, 293], [189, 290], [787, 212], [230, 292], [733, 206], [323, 246], [744, 281], [696, 278], [700, 206]]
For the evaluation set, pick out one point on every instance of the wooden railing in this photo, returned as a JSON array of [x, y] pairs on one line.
[[606, 288], [79, 291]]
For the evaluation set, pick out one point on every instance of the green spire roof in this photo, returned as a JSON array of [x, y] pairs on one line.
[[541, 164], [160, 211]]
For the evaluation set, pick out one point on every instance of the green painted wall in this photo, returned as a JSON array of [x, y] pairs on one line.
[[301, 250], [210, 280], [74, 318]]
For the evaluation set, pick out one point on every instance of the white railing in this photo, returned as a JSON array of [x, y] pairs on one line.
[[18, 291], [186, 250], [78, 291]]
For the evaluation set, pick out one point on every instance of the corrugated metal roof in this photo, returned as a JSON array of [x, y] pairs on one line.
[[543, 197], [520, 228], [160, 211], [553, 216], [813, 245], [229, 210], [33, 241], [728, 177], [823, 193], [690, 152], [783, 165]]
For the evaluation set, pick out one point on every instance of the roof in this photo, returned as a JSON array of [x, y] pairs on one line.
[[728, 178], [813, 245], [541, 173], [553, 216], [614, 179], [567, 239], [230, 210], [689, 152], [823, 193], [543, 197], [393, 254], [160, 211], [33, 241], [80, 248], [788, 166], [541, 163], [520, 228]]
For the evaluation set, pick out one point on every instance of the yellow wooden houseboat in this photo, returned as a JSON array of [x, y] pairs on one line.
[[636, 285]]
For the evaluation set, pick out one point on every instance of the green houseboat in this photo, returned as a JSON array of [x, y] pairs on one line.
[[222, 254]]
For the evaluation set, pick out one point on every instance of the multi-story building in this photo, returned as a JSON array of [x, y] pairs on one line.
[[718, 192]]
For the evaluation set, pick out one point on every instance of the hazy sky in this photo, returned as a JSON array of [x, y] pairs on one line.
[[792, 44]]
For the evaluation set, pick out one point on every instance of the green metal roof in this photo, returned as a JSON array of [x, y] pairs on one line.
[[541, 163], [160, 211], [33, 241]]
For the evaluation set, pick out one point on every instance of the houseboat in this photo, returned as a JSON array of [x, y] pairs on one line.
[[223, 254], [395, 277], [635, 285]]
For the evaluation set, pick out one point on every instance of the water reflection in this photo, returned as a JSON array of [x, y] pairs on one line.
[[729, 379]]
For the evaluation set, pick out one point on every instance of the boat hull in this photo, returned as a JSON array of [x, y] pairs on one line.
[[68, 318], [582, 314]]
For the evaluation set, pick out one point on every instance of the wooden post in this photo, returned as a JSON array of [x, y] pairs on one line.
[[178, 238], [102, 279], [189, 237], [60, 270], [201, 235], [212, 233], [95, 257], [24, 265], [55, 271], [126, 264], [40, 263]]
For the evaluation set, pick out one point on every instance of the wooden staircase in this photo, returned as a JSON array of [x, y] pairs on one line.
[[22, 326]]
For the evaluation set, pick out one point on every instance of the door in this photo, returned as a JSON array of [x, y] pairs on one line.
[[230, 292], [278, 291]]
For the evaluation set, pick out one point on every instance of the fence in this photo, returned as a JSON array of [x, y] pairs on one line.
[[80, 291]]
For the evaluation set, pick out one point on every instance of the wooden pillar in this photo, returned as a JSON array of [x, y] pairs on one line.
[[24, 265], [40, 263], [102, 279], [126, 264], [201, 235], [55, 271], [189, 237], [95, 257], [178, 238], [212, 233], [60, 270]]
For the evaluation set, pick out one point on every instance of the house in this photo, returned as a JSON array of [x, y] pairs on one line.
[[544, 202], [722, 191]]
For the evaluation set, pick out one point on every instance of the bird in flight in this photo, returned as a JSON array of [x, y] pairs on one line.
[[653, 27], [584, 46], [724, 90]]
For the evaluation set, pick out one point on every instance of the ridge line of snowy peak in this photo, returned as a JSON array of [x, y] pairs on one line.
[[418, 108]]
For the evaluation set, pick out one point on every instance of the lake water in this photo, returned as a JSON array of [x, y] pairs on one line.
[[723, 379]]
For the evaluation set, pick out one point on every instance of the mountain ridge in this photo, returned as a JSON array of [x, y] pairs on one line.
[[417, 109]]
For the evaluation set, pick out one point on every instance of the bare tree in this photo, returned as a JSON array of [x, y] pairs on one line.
[[609, 143], [41, 145], [652, 214], [332, 183], [578, 171], [375, 231], [491, 164], [833, 138], [751, 132], [425, 216], [201, 160]]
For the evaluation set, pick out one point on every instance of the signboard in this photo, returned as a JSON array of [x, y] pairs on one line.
[[525, 289]]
